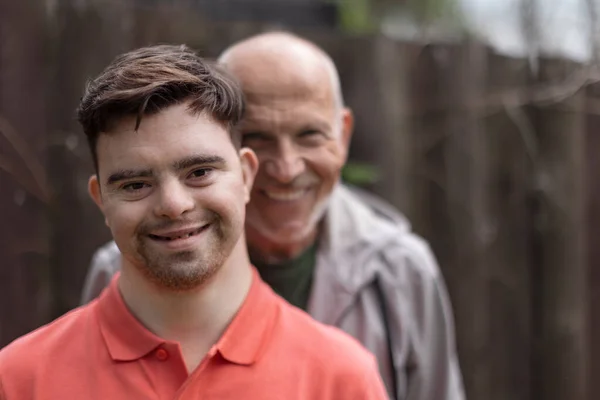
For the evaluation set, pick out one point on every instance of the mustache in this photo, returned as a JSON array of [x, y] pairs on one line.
[[175, 224]]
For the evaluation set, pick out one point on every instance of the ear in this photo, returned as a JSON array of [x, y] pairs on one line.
[[96, 193], [249, 163], [347, 128]]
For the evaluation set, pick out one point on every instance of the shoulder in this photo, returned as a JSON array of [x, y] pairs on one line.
[[339, 365], [328, 348], [410, 254], [399, 248], [22, 359], [108, 257], [106, 262]]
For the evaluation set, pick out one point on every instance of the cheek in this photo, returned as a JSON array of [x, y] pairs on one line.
[[261, 176], [229, 201], [327, 164], [124, 217]]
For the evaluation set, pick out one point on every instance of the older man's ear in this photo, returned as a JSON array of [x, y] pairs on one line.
[[347, 128], [249, 163]]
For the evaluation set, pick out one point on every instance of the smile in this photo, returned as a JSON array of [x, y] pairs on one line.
[[178, 235], [285, 195]]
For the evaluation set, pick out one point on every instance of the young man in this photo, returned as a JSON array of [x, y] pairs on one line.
[[347, 258], [187, 317]]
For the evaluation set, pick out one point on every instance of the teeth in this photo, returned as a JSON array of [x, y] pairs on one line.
[[169, 238], [286, 196]]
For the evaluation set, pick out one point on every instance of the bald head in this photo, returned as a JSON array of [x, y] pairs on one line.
[[281, 61]]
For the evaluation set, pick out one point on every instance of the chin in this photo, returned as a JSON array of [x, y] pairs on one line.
[[290, 234]]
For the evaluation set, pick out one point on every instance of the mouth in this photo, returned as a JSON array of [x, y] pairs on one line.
[[285, 195], [178, 235]]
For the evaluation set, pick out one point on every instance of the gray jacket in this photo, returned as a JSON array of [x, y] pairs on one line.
[[380, 283]]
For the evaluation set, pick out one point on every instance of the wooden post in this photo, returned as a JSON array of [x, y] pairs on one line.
[[592, 146], [560, 297], [470, 189], [24, 194]]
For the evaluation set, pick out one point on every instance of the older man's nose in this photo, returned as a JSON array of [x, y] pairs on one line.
[[286, 165]]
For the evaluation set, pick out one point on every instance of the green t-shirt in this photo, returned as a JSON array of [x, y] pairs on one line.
[[291, 279]]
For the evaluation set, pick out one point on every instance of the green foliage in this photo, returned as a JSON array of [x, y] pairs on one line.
[[360, 174], [430, 10], [356, 16], [364, 16]]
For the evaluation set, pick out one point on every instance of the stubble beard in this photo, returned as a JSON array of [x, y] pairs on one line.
[[185, 270]]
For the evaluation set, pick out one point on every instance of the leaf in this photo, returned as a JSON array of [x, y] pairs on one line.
[[360, 174]]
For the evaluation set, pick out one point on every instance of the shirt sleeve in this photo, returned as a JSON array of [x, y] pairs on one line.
[[424, 318], [105, 263]]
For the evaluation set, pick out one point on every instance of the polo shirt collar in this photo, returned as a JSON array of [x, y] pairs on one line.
[[126, 338], [242, 343], [250, 331]]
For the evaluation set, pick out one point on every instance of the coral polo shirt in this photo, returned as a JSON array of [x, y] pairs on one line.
[[270, 350]]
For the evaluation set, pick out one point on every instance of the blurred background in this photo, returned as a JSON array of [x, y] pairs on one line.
[[479, 119]]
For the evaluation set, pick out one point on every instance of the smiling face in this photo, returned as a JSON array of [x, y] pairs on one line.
[[173, 194], [297, 126], [299, 144]]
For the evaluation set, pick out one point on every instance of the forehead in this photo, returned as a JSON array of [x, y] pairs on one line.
[[162, 138], [292, 110], [281, 91]]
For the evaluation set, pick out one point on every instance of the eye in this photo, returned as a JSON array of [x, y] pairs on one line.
[[255, 136], [134, 186], [200, 172], [308, 133], [310, 137]]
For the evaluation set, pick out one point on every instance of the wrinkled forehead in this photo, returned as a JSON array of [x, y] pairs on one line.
[[289, 112], [269, 86], [282, 94]]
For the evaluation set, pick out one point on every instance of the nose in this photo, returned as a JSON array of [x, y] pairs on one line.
[[285, 164], [174, 200]]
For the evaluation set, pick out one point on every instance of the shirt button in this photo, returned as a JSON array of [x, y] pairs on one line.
[[161, 354]]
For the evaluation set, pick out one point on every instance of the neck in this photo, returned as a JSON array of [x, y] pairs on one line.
[[195, 319], [266, 251]]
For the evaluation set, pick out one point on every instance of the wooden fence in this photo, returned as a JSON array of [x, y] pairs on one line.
[[493, 164]]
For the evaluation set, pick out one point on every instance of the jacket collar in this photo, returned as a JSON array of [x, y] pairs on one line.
[[355, 227]]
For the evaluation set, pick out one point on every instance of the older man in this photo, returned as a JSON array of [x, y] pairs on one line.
[[346, 257]]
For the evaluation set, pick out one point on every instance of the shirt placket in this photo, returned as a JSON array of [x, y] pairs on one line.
[[189, 391]]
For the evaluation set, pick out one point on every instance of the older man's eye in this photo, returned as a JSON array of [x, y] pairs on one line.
[[309, 133], [251, 136], [311, 137]]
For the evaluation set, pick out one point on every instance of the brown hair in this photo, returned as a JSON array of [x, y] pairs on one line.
[[150, 79]]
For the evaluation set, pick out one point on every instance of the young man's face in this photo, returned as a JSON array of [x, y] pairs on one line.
[[173, 194]]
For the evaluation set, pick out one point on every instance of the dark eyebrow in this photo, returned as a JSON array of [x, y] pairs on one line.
[[197, 160], [178, 165], [128, 174]]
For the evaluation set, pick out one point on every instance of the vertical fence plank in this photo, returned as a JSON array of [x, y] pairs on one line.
[[592, 167], [561, 290], [24, 194]]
